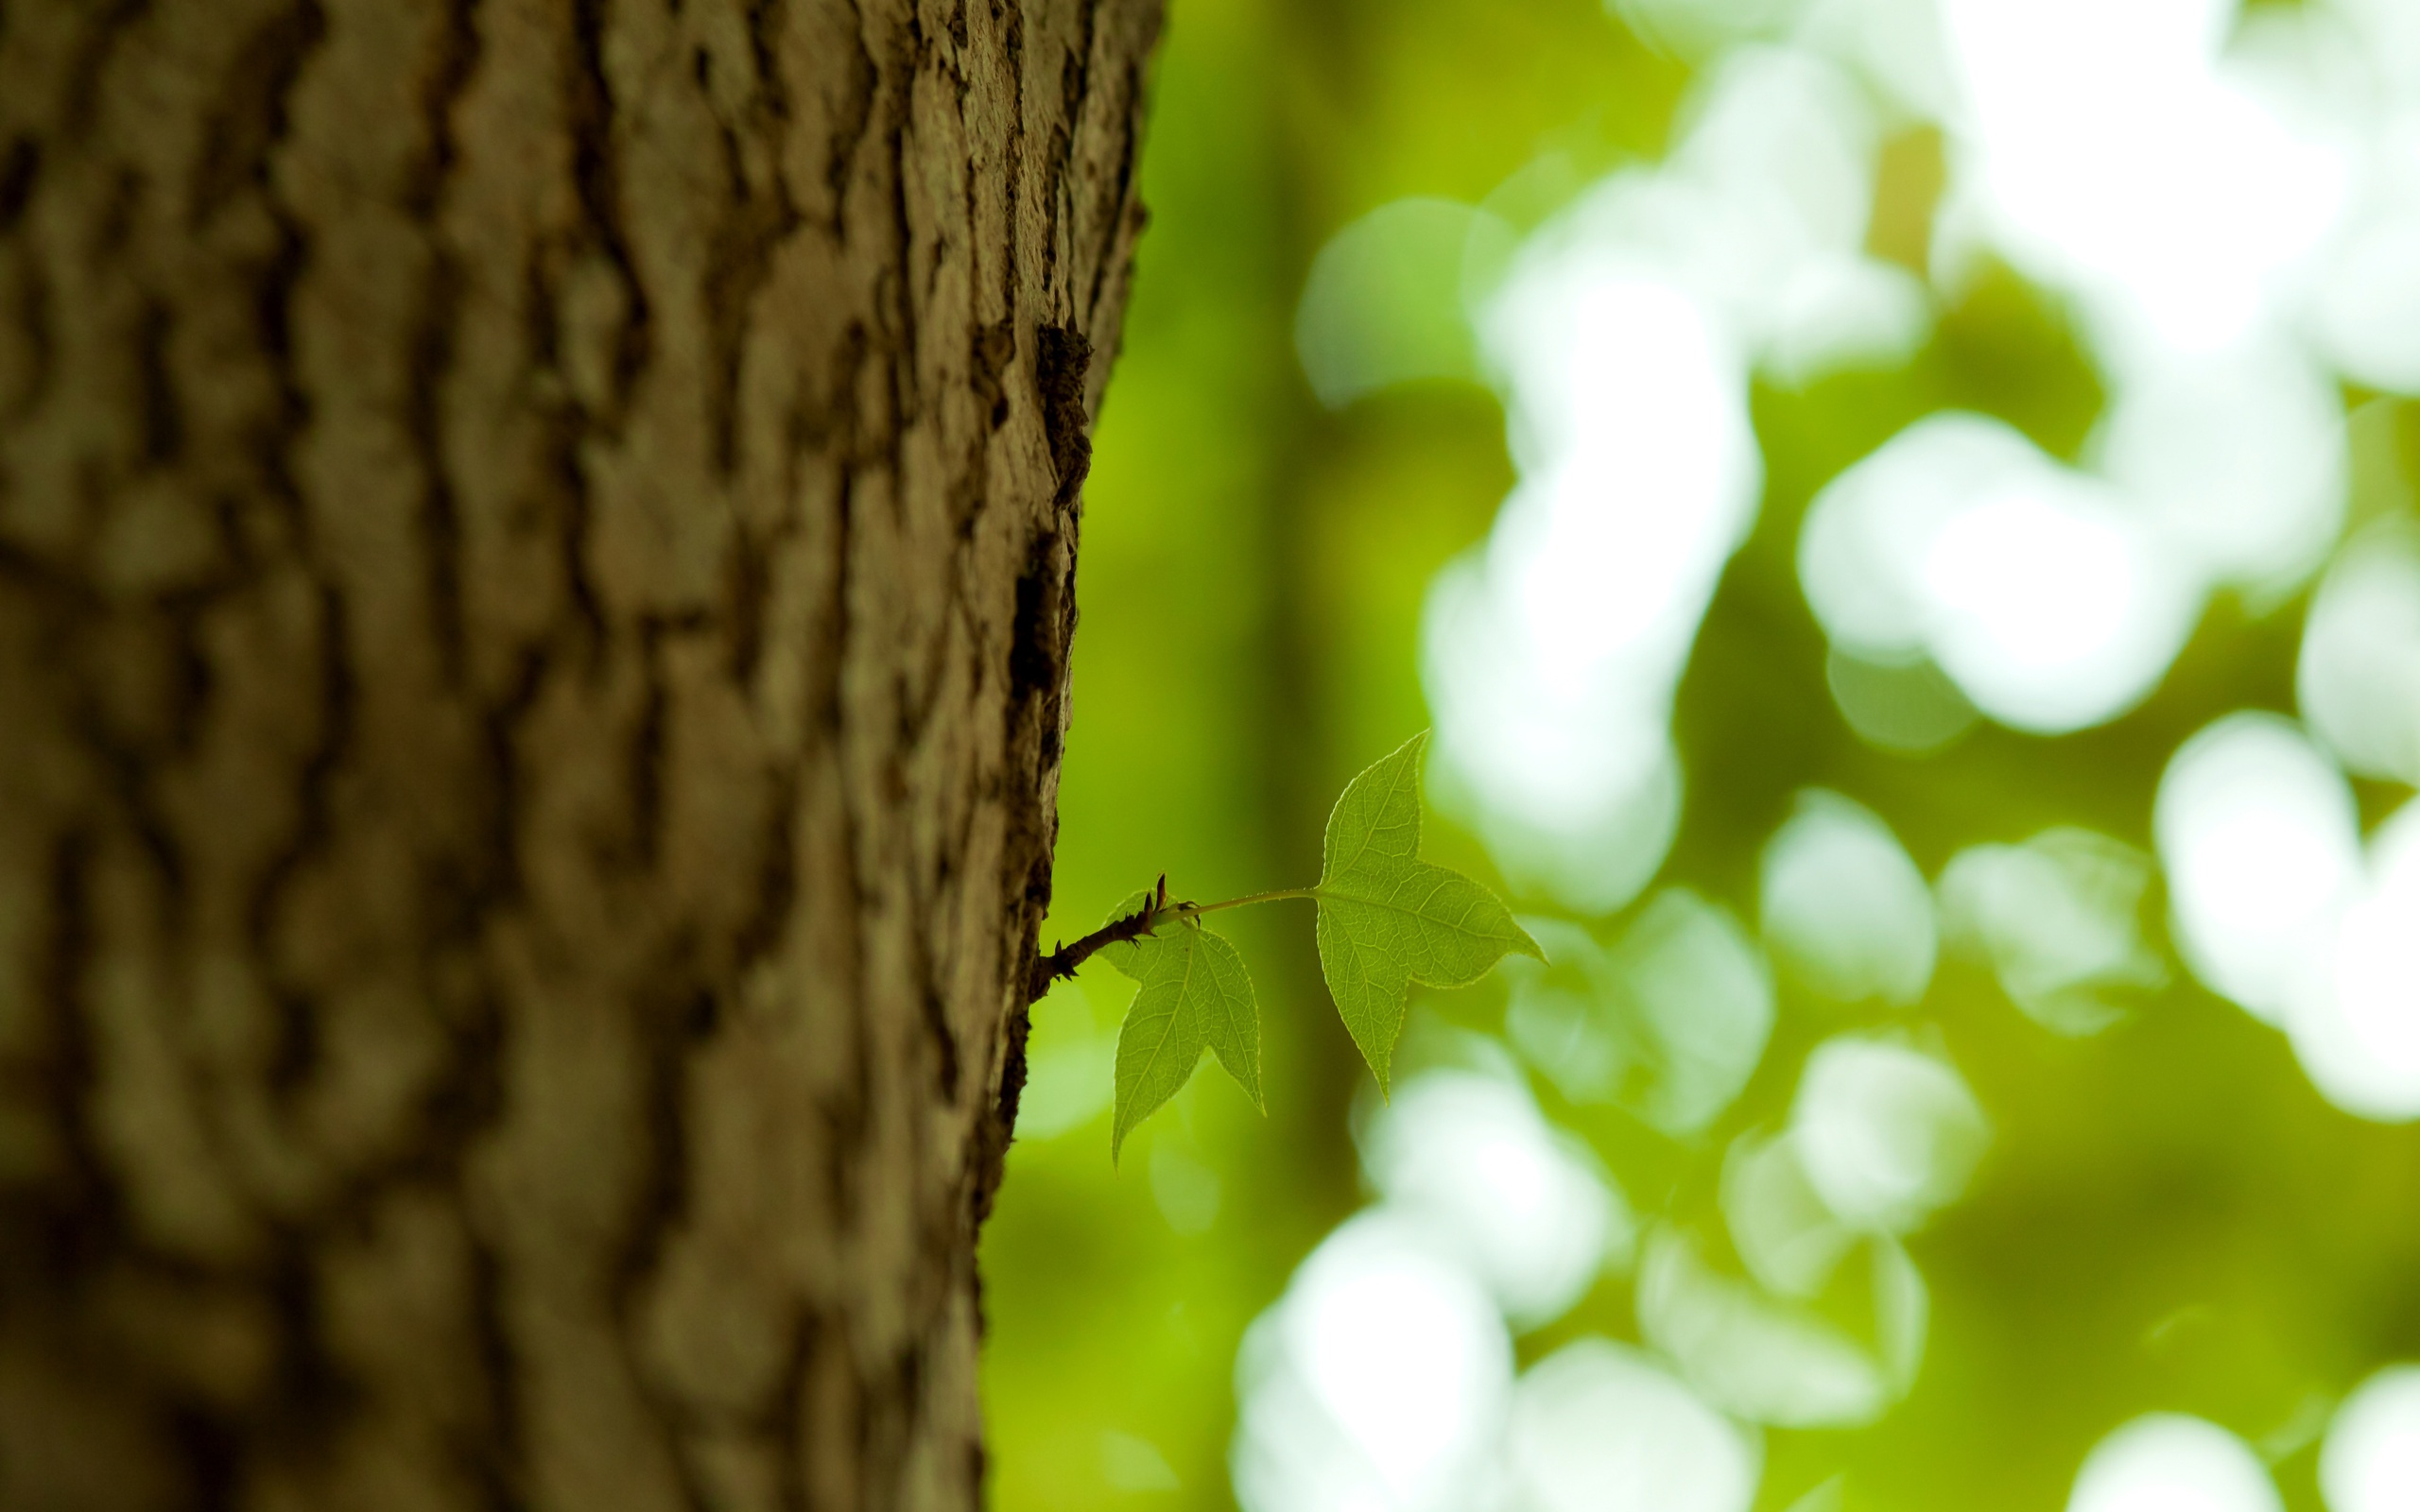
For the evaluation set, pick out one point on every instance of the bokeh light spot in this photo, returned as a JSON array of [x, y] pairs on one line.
[[1668, 1023], [1886, 1132], [1842, 906], [2371, 1461], [1378, 1381], [2058, 918], [2167, 1462], [1755, 1356], [2357, 678], [1467, 1156], [1382, 304], [2257, 835], [1597, 1427], [2353, 1011]]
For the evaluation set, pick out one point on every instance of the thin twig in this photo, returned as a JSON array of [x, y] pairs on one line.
[[1063, 961]]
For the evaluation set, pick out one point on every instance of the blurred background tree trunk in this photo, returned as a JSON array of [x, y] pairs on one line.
[[536, 551]]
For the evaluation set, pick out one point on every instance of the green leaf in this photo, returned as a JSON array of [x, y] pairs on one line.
[[1195, 993], [1389, 918]]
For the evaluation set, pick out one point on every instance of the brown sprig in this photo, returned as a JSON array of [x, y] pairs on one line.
[[1063, 961]]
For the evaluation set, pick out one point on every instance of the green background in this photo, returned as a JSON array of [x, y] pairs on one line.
[[2169, 1216]]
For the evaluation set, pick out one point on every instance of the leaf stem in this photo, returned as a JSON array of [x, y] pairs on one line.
[[1238, 902], [1063, 961]]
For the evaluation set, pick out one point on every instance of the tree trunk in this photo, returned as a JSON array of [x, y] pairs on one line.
[[536, 543]]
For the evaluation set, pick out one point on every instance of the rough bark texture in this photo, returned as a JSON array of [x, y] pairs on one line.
[[535, 577]]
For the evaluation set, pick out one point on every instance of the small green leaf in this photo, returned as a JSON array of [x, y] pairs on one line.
[[1389, 918], [1195, 994]]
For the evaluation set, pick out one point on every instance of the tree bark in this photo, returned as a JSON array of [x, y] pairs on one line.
[[536, 551]]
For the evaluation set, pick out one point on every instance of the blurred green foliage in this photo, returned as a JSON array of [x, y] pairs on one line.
[[2170, 1217]]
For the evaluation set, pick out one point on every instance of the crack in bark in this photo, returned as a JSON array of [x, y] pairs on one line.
[[86, 1217], [432, 342], [896, 287], [252, 115], [767, 19], [761, 217], [441, 523], [163, 424], [1122, 222], [86, 63], [565, 430], [856, 120], [597, 179], [295, 1048], [496, 1461], [785, 1415], [1012, 48], [31, 307], [768, 927], [20, 165], [670, 1030], [644, 760]]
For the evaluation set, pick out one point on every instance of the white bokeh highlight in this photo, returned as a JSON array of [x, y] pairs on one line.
[[2257, 835], [1381, 1379], [2357, 678], [1468, 1156], [1863, 547], [1552, 657], [2058, 919], [1842, 906], [2354, 1012], [2168, 1462], [2281, 906], [1885, 1132], [2371, 1459], [1622, 334], [1667, 1023], [1775, 1361], [1378, 1383], [2137, 170], [2236, 462], [1599, 1427], [2038, 589], [2367, 309], [1789, 1237], [2226, 202], [2052, 606]]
